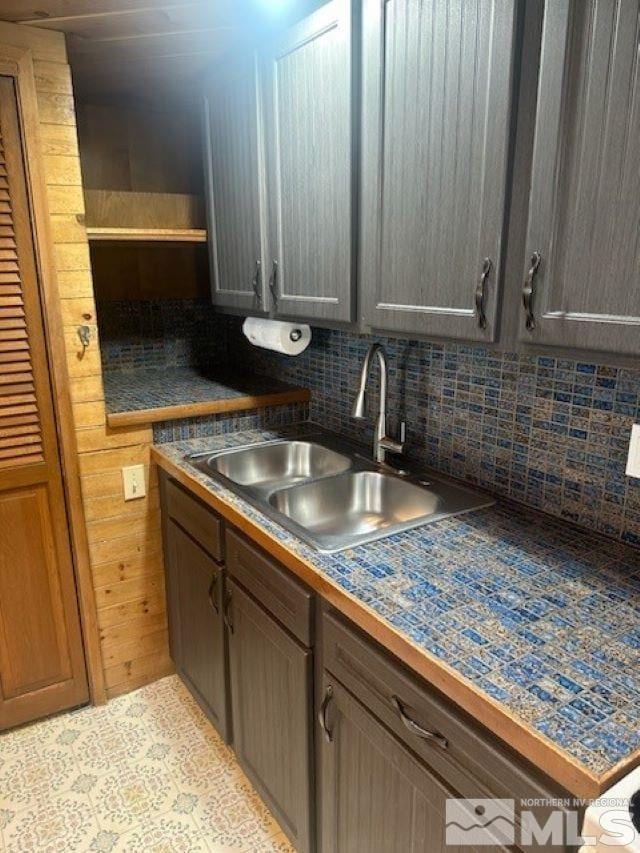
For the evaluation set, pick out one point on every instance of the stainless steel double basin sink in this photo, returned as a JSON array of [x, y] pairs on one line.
[[327, 493]]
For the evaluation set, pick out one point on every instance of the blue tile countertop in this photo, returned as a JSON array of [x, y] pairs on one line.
[[161, 390], [541, 620]]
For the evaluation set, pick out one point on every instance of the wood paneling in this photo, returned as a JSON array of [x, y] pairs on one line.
[[142, 210], [73, 297], [138, 146], [42, 662], [139, 46], [138, 271]]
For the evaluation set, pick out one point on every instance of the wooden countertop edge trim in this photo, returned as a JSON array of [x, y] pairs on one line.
[[542, 753], [208, 407]]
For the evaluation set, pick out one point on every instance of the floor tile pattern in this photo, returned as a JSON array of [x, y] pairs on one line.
[[541, 616], [144, 772]]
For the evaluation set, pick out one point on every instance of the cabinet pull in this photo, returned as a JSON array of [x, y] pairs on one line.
[[213, 594], [226, 616], [416, 729], [322, 714], [255, 282], [527, 291], [480, 288], [273, 281]]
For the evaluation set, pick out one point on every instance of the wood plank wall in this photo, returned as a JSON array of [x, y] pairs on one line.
[[125, 539]]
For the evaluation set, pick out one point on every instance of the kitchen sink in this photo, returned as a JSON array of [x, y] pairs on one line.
[[267, 466], [326, 492], [353, 508]]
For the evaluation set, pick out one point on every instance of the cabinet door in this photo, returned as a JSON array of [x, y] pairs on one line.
[[234, 171], [435, 139], [271, 700], [584, 213], [42, 666], [376, 795], [198, 644], [307, 78]]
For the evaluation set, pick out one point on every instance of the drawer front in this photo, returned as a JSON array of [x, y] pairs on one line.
[[198, 520], [459, 751], [272, 585]]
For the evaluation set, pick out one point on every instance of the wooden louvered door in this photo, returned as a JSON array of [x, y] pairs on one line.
[[42, 667]]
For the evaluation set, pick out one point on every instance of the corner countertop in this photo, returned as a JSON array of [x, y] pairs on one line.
[[529, 624], [148, 395]]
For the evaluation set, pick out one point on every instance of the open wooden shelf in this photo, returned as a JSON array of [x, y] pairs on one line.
[[124, 216], [163, 235]]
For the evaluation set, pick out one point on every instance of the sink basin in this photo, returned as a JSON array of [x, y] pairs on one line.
[[274, 464], [365, 505], [323, 490]]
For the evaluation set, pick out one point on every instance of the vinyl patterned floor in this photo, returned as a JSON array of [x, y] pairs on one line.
[[144, 772]]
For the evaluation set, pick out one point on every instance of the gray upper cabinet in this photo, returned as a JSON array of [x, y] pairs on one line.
[[582, 271], [307, 90], [234, 189], [436, 116]]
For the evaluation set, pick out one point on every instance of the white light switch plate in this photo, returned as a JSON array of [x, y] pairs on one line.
[[133, 482], [633, 459]]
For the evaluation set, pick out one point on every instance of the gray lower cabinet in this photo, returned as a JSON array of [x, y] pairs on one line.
[[271, 701], [390, 749], [377, 796], [192, 543], [436, 125], [198, 642], [307, 79], [583, 252], [234, 175]]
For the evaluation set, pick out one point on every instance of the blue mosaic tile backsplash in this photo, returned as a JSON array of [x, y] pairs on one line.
[[549, 432], [159, 333]]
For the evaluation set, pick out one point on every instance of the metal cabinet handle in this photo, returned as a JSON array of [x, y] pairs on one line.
[[213, 594], [416, 729], [256, 282], [226, 616], [480, 288], [322, 714], [527, 290], [273, 282]]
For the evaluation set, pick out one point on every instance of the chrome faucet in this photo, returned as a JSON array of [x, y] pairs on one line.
[[382, 444]]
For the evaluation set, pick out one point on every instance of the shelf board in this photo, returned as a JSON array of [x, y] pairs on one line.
[[161, 235]]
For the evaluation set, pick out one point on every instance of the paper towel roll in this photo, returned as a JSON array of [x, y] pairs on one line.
[[289, 338]]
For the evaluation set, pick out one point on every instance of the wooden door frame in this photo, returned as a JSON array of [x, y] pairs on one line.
[[17, 62]]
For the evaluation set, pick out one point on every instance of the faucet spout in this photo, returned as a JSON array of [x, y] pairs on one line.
[[381, 442], [359, 404]]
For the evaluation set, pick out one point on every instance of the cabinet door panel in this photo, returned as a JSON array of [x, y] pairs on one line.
[[435, 140], [584, 213], [271, 697], [233, 180], [199, 648], [376, 796], [308, 116], [42, 666]]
